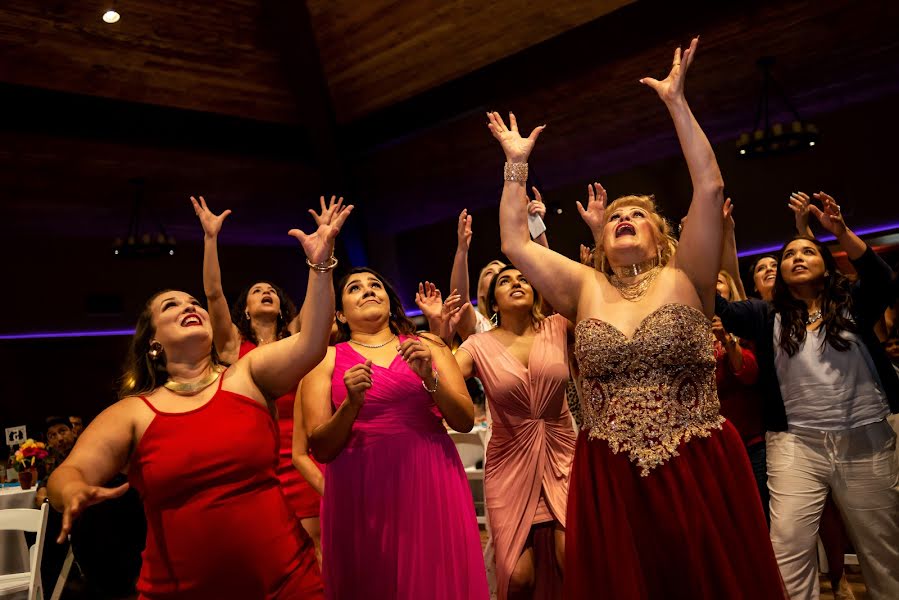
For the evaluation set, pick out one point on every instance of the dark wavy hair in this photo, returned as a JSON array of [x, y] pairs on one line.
[[751, 272], [239, 312], [142, 374], [537, 315], [400, 324], [836, 305]]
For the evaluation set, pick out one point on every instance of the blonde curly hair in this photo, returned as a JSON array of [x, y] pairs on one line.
[[667, 243]]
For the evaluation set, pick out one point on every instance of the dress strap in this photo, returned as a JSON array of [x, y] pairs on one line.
[[148, 403]]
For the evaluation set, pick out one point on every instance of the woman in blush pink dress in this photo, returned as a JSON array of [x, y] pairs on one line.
[[523, 364], [397, 517]]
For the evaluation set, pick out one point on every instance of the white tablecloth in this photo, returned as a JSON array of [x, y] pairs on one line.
[[13, 551]]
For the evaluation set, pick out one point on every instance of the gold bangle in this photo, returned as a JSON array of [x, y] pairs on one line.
[[323, 267], [515, 172]]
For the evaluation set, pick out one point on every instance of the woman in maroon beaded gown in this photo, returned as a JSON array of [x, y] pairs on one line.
[[662, 500]]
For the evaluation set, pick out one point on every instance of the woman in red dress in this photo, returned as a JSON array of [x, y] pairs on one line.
[[199, 444], [662, 499], [263, 314]]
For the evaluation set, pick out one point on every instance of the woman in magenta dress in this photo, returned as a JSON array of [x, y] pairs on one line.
[[199, 444], [263, 314], [523, 364], [398, 520], [662, 499]]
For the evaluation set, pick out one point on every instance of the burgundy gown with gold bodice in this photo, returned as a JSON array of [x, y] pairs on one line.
[[662, 500]]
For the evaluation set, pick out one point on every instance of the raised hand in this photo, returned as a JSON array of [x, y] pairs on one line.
[[799, 204], [357, 380], [319, 245], [211, 222], [517, 148], [417, 355], [594, 214], [718, 329], [429, 301], [452, 314], [830, 218], [586, 255], [79, 496], [463, 231], [727, 213], [334, 207], [536, 206], [671, 88]]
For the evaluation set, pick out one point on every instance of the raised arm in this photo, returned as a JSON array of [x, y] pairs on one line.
[[102, 451], [730, 262], [876, 280], [302, 462], [276, 368], [799, 204], [558, 278], [459, 276], [699, 251], [328, 430], [225, 334]]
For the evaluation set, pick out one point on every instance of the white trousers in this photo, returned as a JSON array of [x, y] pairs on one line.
[[861, 467]]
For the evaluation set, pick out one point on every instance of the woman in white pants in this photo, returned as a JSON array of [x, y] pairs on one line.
[[829, 388]]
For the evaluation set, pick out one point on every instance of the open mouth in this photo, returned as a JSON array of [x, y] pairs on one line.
[[267, 300], [771, 277], [517, 293], [799, 269], [625, 229], [191, 321]]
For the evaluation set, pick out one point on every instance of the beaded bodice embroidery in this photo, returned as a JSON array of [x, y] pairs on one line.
[[647, 394]]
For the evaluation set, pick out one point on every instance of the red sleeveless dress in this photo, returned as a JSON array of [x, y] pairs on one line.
[[301, 496], [217, 523]]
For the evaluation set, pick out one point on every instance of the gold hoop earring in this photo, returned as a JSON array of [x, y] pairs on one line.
[[247, 314]]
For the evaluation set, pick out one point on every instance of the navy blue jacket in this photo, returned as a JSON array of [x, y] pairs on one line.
[[753, 319]]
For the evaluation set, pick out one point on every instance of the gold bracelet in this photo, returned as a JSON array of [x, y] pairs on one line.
[[323, 267], [515, 172]]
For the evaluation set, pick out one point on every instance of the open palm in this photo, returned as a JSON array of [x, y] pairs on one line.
[[595, 213], [211, 222], [319, 245], [517, 148], [672, 87]]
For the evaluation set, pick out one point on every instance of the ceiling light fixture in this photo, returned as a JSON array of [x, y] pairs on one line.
[[142, 242], [111, 16], [769, 139]]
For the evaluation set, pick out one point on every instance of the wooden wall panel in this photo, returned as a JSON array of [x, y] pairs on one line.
[[206, 56], [378, 52]]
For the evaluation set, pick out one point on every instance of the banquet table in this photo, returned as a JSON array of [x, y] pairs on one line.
[[13, 550]]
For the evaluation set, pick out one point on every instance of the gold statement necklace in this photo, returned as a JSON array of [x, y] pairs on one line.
[[189, 389], [637, 289]]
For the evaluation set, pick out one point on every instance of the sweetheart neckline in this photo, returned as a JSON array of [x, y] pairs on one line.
[[642, 321]]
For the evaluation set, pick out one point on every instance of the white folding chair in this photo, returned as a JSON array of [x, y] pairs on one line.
[[63, 575], [35, 521], [471, 450]]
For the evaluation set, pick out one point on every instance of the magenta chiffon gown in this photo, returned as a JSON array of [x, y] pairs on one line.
[[397, 517]]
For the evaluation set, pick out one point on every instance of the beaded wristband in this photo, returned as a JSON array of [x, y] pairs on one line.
[[515, 172], [436, 379], [323, 267]]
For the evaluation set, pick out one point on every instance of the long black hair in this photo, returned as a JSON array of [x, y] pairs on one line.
[[400, 324], [537, 315], [836, 305], [285, 316]]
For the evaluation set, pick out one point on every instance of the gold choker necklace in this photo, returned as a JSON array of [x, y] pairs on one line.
[[637, 269], [189, 389], [636, 290]]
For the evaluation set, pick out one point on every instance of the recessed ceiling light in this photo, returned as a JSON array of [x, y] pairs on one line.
[[111, 16]]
